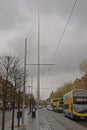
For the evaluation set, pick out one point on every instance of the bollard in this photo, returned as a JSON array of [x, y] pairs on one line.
[[19, 115]]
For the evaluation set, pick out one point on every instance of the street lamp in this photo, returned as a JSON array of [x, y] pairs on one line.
[[23, 109], [29, 101]]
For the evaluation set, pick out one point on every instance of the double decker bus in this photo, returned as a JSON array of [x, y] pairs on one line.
[[57, 104], [75, 104]]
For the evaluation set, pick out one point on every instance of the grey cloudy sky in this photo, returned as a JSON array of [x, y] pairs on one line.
[[19, 20]]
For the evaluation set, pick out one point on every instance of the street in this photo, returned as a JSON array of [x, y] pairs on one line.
[[50, 120]]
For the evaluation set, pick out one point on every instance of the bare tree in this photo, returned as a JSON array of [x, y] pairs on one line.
[[5, 71], [18, 79], [8, 64]]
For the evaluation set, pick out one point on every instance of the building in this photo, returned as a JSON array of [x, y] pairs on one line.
[[83, 81]]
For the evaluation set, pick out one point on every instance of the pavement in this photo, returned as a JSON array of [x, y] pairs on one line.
[[30, 123]]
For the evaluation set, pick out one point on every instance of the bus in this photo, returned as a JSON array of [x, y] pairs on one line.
[[75, 104], [57, 104]]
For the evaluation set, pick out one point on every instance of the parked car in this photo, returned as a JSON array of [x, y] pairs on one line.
[[49, 107], [39, 107]]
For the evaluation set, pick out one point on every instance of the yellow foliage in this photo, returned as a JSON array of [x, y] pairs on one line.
[[64, 89]]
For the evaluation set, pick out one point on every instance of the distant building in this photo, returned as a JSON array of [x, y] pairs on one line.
[[83, 81]]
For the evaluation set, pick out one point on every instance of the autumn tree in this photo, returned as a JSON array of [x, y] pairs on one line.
[[64, 89]]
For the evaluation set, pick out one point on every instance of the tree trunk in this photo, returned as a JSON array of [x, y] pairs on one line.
[[13, 111], [30, 106], [3, 112], [19, 108], [4, 105]]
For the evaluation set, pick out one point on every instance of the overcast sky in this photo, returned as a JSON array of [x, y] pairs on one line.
[[19, 20]]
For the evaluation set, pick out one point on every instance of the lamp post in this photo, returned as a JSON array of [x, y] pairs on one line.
[[23, 109], [38, 67], [29, 101]]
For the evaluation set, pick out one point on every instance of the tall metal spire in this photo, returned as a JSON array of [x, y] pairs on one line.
[[38, 69]]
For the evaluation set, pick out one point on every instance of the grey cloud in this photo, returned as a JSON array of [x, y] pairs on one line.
[[73, 47], [67, 59], [17, 45], [62, 8], [8, 14]]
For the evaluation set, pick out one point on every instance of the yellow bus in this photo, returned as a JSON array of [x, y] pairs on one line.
[[57, 104], [75, 104]]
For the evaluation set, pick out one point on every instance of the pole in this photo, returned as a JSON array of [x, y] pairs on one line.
[[29, 102], [31, 94], [38, 69], [31, 84], [23, 109], [38, 64]]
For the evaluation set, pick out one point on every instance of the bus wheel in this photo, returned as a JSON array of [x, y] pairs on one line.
[[65, 114], [85, 118], [71, 116]]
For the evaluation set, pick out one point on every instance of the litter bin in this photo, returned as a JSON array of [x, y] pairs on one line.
[[33, 113], [19, 114]]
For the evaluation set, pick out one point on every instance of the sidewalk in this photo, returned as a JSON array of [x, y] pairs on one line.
[[30, 123]]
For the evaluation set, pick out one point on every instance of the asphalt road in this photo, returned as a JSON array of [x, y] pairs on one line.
[[50, 120]]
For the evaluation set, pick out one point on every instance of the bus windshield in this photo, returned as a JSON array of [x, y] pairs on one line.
[[80, 101], [80, 108]]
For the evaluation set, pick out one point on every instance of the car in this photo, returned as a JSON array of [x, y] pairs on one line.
[[39, 107], [60, 109], [49, 107]]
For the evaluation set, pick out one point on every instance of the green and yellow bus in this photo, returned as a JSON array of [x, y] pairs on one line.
[[75, 104], [57, 104]]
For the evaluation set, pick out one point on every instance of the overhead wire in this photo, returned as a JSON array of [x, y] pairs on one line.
[[61, 37]]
